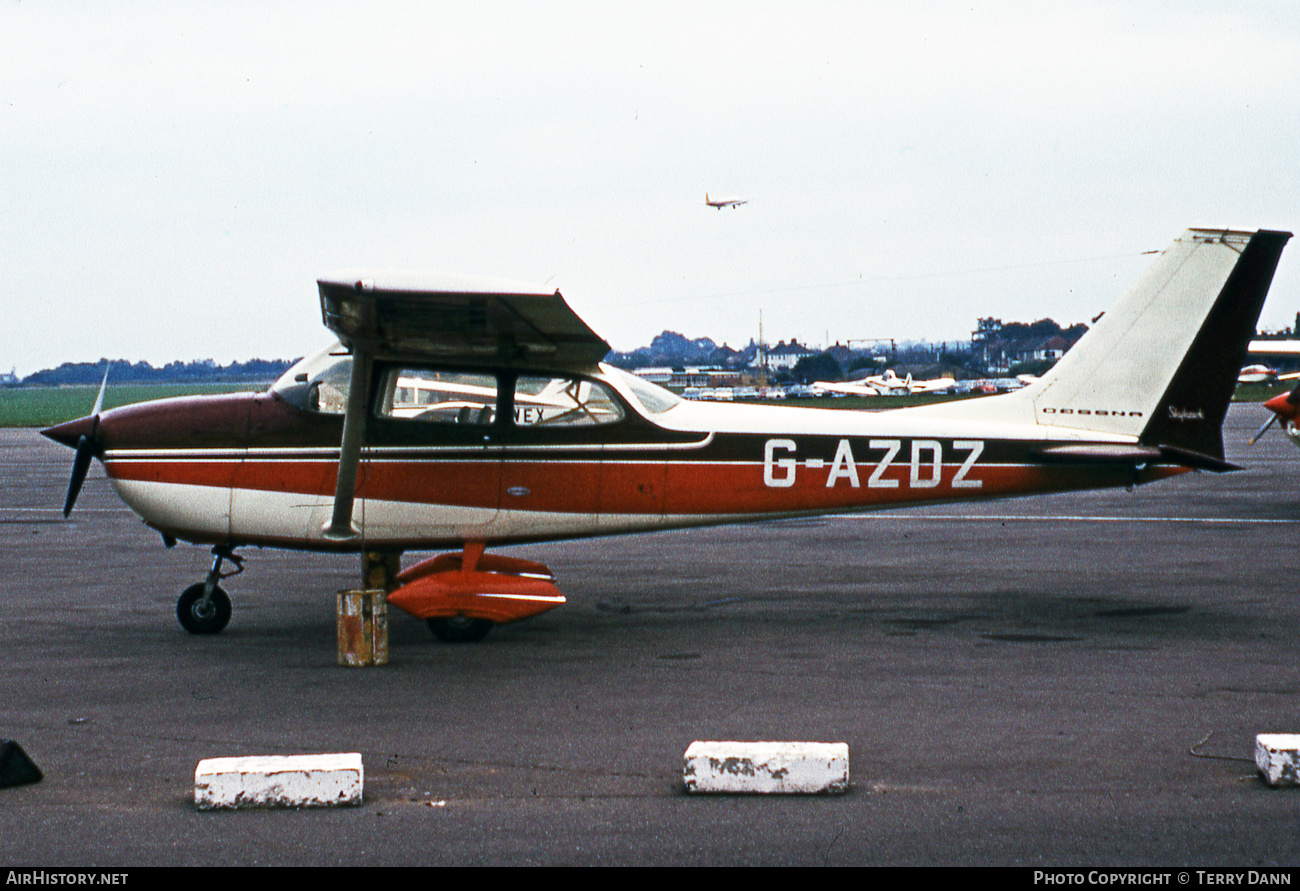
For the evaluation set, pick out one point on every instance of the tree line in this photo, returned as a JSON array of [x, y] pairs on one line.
[[124, 372]]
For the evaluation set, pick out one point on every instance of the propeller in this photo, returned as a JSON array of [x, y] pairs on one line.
[[1272, 419], [87, 446]]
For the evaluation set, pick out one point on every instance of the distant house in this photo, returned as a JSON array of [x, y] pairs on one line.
[[782, 356], [998, 347], [1049, 348], [841, 354]]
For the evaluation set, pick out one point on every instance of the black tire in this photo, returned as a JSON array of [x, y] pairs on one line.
[[196, 620], [460, 629]]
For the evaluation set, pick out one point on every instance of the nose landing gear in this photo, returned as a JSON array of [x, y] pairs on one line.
[[204, 608]]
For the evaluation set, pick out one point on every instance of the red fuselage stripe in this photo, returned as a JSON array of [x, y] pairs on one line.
[[622, 488]]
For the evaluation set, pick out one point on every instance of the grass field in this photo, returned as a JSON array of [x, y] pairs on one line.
[[46, 406], [1261, 392]]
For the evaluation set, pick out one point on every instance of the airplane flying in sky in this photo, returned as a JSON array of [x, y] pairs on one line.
[[887, 384], [720, 203], [466, 413]]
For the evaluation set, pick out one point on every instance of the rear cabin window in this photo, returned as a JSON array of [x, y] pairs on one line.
[[564, 402], [440, 397]]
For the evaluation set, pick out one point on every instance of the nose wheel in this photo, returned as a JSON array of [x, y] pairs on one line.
[[204, 608], [200, 614]]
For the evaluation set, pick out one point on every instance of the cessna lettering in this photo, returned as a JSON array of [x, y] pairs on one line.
[[1101, 412]]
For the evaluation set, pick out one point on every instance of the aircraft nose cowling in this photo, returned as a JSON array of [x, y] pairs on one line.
[[70, 432], [179, 422], [1283, 406]]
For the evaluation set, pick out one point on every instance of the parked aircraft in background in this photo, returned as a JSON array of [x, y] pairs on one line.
[[462, 413], [720, 203], [887, 384], [1257, 374]]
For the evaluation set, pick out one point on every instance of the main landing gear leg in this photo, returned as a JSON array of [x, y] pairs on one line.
[[204, 608], [379, 569]]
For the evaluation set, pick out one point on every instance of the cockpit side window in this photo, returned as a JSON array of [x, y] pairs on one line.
[[328, 393], [439, 397], [563, 402], [318, 383]]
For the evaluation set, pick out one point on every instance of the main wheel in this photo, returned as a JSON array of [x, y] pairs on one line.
[[460, 629], [195, 617]]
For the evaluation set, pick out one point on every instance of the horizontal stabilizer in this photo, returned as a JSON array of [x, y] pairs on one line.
[[1106, 453]]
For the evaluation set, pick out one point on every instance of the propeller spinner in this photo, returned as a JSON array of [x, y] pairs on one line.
[[88, 445], [1286, 407]]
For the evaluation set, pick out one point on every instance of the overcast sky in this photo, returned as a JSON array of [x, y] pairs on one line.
[[177, 175]]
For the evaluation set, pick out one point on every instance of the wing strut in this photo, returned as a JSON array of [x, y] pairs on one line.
[[340, 526], [395, 314]]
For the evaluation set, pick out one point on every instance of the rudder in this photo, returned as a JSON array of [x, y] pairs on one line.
[[1190, 415], [1162, 363]]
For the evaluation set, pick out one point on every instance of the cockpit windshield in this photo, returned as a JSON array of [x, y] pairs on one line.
[[650, 398], [318, 383]]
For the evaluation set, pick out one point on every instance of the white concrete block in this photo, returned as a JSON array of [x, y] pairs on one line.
[[767, 767], [1277, 755], [279, 781]]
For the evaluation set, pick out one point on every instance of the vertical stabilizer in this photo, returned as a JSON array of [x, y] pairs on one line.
[[1162, 363]]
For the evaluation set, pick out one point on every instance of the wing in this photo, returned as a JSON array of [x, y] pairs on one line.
[[396, 314], [853, 389], [939, 383], [412, 315]]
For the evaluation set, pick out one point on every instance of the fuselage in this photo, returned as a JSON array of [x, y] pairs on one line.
[[500, 457]]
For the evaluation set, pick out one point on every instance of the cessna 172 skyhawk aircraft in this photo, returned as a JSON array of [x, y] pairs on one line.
[[463, 413]]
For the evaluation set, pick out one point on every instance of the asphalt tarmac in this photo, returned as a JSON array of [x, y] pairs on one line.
[[1062, 680]]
